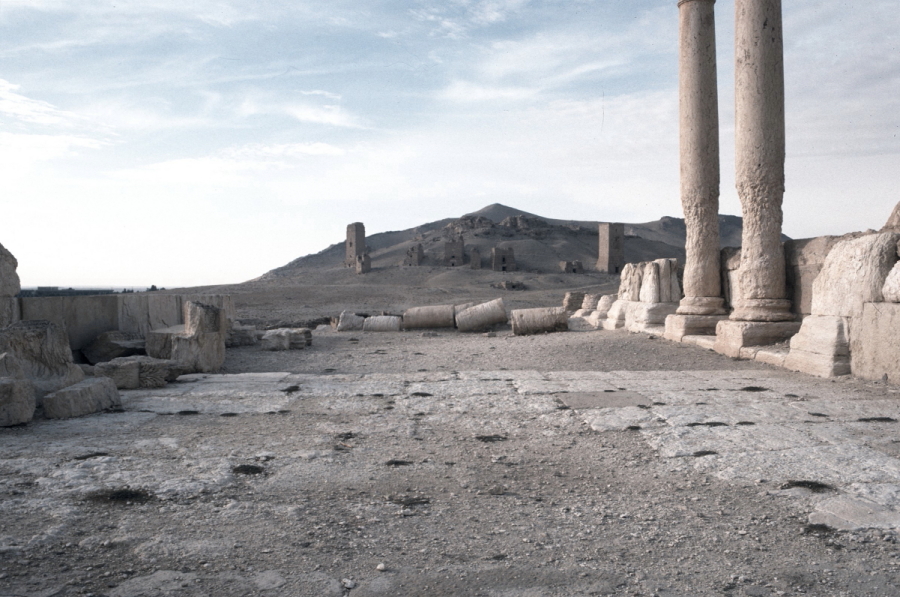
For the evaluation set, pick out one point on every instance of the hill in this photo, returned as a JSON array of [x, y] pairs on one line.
[[539, 243]]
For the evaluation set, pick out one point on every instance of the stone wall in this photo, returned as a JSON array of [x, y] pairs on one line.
[[86, 317]]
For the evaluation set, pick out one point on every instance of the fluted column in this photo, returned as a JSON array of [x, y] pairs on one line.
[[699, 140], [759, 156]]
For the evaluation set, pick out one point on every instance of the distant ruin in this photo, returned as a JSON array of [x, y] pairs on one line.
[[414, 256], [611, 248], [571, 267], [475, 258], [454, 252], [355, 244], [503, 260]]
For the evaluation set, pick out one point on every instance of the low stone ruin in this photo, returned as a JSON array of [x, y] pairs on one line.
[[198, 344], [571, 267], [414, 256], [648, 292]]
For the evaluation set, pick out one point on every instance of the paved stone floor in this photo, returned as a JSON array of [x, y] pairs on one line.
[[830, 445]]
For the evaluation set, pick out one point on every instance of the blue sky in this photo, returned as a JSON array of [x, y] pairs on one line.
[[185, 143]]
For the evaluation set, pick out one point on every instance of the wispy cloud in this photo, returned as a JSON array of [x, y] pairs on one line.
[[21, 108]]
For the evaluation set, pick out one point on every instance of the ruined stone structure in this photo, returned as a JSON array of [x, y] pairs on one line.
[[571, 267], [648, 293], [611, 249], [475, 258], [356, 243], [363, 264], [414, 256], [503, 260], [702, 306], [454, 252]]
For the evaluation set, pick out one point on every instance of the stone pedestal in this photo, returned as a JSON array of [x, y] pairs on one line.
[[648, 317], [699, 146], [732, 336], [759, 159], [678, 326]]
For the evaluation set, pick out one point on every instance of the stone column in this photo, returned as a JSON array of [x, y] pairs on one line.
[[759, 157], [702, 306], [762, 313]]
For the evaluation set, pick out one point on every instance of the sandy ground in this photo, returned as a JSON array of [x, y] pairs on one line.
[[446, 464]]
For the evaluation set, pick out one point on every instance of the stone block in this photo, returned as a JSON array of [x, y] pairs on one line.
[[596, 320], [705, 342], [42, 350], [891, 289], [113, 345], [276, 340], [821, 365], [125, 373], [350, 322], [581, 323], [603, 305], [875, 342], [854, 273], [156, 373], [200, 318], [17, 401], [202, 353], [732, 336], [771, 356], [678, 326], [615, 318], [160, 343], [83, 398], [641, 316], [823, 334]]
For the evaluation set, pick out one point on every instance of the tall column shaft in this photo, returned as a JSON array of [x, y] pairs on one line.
[[759, 157], [699, 145]]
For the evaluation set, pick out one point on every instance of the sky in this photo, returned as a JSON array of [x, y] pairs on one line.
[[206, 142]]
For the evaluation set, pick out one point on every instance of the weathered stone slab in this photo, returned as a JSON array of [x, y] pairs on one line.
[[854, 273], [10, 367], [603, 305], [83, 398], [590, 301], [242, 335], [580, 323], [846, 513], [286, 339], [17, 401], [200, 352], [731, 336], [201, 318], [875, 342], [641, 316], [124, 373]]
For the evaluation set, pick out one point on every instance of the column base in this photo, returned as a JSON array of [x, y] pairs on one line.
[[701, 305], [678, 326], [732, 336], [763, 310]]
